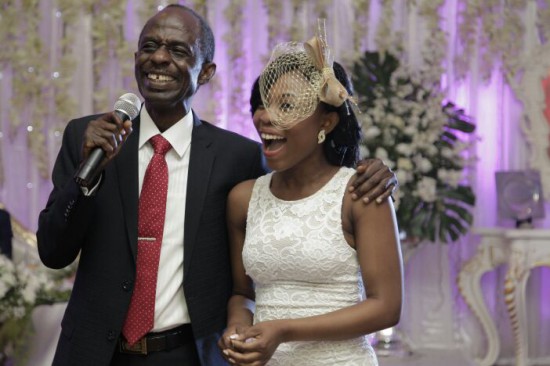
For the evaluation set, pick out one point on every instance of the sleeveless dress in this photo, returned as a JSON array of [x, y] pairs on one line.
[[301, 265]]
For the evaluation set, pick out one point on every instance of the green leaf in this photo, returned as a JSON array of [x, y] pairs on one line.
[[452, 227], [461, 125], [460, 193], [460, 211], [449, 135]]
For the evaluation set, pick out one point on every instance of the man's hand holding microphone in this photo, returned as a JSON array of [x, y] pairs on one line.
[[104, 137]]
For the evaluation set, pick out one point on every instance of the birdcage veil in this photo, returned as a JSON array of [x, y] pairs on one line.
[[297, 77]]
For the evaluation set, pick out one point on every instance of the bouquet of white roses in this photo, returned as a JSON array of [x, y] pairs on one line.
[[408, 125], [22, 287]]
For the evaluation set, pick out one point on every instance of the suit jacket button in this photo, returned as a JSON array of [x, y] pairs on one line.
[[127, 286], [111, 335]]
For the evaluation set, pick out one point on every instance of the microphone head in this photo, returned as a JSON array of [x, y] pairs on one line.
[[129, 104]]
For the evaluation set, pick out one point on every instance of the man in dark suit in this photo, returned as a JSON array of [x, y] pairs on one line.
[[6, 234], [100, 221]]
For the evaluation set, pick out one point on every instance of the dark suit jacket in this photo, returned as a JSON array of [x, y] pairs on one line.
[[103, 230], [6, 234]]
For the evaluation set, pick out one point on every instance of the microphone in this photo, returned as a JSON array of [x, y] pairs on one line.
[[127, 107]]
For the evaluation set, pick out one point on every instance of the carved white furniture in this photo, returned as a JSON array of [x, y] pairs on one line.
[[521, 250]]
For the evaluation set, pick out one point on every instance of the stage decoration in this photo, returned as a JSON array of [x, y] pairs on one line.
[[385, 39], [23, 50], [110, 48], [496, 26], [275, 30], [146, 9], [239, 95], [360, 26], [528, 84], [320, 8], [407, 123], [434, 51], [23, 287], [201, 7], [68, 16], [296, 31]]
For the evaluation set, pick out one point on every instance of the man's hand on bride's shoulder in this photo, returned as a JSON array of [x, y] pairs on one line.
[[375, 181]]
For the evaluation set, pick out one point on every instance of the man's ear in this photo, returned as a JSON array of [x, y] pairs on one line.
[[330, 121], [207, 72]]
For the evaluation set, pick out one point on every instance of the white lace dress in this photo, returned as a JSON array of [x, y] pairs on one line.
[[301, 264]]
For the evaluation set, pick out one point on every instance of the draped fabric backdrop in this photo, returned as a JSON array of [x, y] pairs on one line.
[[62, 59]]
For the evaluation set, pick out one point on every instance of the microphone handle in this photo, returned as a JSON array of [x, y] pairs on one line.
[[88, 170]]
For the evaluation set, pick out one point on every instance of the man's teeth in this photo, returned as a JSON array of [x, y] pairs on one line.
[[159, 77], [267, 136]]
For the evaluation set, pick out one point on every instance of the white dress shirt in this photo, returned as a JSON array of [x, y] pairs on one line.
[[170, 306]]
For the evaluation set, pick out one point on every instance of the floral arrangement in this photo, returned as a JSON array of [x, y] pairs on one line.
[[23, 287], [407, 123]]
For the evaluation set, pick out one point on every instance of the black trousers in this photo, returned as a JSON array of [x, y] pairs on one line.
[[185, 355]]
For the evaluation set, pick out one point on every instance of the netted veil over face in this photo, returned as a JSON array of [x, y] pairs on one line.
[[297, 77], [289, 85]]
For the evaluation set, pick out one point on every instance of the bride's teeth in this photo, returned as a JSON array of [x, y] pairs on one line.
[[267, 136]]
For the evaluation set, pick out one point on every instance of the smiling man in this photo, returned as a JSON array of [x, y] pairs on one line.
[[154, 276]]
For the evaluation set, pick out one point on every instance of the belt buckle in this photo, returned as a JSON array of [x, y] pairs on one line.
[[140, 347]]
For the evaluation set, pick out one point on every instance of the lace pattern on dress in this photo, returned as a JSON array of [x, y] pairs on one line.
[[301, 265]]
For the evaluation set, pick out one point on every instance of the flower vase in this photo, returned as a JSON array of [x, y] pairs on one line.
[[392, 341]]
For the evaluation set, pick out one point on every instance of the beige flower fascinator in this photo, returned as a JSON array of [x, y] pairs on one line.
[[297, 77]]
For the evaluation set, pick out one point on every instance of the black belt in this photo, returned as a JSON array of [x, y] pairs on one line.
[[161, 341]]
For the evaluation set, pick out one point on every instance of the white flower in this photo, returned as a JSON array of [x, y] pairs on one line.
[[9, 278], [3, 289], [404, 176], [19, 312], [372, 132], [423, 164], [427, 189], [451, 177], [29, 294], [410, 130], [405, 164], [447, 153], [404, 149], [431, 150], [405, 90], [381, 153], [364, 151], [396, 121], [397, 196]]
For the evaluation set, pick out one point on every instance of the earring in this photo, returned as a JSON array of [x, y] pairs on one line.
[[321, 137]]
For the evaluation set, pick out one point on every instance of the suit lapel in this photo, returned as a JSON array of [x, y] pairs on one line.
[[126, 164], [200, 166]]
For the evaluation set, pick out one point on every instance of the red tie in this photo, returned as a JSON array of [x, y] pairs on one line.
[[152, 210]]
